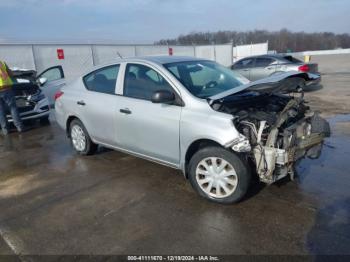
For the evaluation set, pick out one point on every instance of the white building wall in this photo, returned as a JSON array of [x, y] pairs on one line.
[[107, 53], [77, 58], [242, 51], [20, 56], [223, 54], [205, 51], [183, 50], [151, 50]]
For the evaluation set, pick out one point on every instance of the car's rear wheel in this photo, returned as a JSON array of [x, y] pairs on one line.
[[219, 175], [80, 138]]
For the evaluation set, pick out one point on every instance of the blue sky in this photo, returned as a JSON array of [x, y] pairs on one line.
[[136, 21]]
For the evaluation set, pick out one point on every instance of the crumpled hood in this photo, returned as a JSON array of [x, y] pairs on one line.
[[23, 73], [279, 83], [25, 89]]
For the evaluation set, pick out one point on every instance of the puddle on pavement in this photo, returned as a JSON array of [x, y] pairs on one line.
[[32, 139], [327, 181], [339, 118], [328, 177]]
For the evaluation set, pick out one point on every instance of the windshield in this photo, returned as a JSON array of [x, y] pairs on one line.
[[205, 78]]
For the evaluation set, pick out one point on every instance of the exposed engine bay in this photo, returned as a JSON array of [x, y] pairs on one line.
[[276, 130], [27, 95], [26, 89]]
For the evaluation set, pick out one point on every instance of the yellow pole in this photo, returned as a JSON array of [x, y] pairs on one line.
[[307, 58]]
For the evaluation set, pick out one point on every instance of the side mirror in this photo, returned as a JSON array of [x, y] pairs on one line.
[[163, 97], [42, 80]]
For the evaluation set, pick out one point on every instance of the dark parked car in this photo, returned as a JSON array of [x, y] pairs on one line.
[[35, 94], [257, 67], [50, 80]]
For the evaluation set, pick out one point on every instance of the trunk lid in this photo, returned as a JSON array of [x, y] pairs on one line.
[[313, 67]]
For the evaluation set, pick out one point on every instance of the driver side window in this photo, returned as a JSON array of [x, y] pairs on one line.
[[52, 74], [142, 81], [263, 62], [245, 63]]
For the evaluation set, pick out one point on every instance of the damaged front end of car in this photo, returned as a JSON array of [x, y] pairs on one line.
[[276, 126]]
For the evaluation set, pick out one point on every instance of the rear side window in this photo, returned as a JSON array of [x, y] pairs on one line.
[[102, 80], [245, 63], [263, 61], [142, 81], [292, 59]]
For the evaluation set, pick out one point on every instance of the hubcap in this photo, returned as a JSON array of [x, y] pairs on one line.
[[216, 177], [78, 138]]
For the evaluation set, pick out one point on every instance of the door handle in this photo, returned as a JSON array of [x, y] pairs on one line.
[[269, 68], [245, 69], [81, 103], [125, 111]]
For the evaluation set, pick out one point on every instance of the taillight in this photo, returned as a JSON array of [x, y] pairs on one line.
[[304, 68], [58, 95]]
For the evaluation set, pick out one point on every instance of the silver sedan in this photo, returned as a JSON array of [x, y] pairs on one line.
[[258, 67], [194, 115]]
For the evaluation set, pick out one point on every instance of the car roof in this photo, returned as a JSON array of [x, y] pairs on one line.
[[160, 60], [276, 56], [165, 59]]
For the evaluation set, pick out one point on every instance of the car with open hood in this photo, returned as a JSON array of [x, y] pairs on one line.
[[49, 80], [35, 94], [195, 115]]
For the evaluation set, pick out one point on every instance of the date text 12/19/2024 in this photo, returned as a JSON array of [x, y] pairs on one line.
[[173, 258]]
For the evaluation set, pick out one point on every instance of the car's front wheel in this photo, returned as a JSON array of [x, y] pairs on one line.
[[219, 175], [80, 138]]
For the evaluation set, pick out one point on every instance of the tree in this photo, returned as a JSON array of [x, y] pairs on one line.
[[281, 41]]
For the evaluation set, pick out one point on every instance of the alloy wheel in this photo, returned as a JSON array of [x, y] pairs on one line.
[[78, 138]]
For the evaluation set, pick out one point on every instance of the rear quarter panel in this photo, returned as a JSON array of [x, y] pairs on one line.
[[66, 106], [286, 67]]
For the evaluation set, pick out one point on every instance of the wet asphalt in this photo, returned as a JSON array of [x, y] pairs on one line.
[[53, 201]]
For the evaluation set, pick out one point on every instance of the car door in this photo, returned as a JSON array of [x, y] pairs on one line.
[[54, 80], [243, 67], [147, 128], [263, 67], [97, 104]]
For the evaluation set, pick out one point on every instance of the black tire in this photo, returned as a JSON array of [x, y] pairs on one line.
[[90, 147], [242, 172]]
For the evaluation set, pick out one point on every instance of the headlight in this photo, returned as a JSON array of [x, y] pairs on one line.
[[36, 97], [241, 144]]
